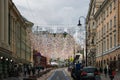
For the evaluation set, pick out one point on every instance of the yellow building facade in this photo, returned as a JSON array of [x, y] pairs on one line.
[[103, 33], [15, 46], [108, 34], [91, 32]]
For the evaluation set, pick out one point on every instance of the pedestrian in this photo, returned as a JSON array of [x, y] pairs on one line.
[[25, 71], [111, 73], [33, 71], [77, 70], [105, 71], [28, 70], [101, 70]]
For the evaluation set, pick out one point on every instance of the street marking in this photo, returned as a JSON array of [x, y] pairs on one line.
[[52, 75], [66, 76], [58, 78]]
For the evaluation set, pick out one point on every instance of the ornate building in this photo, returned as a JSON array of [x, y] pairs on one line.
[[53, 45], [15, 47], [91, 31], [107, 37], [107, 33]]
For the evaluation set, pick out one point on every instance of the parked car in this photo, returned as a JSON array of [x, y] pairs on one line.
[[90, 73]]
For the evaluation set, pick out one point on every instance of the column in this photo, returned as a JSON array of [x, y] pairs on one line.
[[6, 12], [1, 21]]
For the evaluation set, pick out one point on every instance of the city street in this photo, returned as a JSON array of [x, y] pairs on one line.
[[59, 39], [117, 77], [59, 75]]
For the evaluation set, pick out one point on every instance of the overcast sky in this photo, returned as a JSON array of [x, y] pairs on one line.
[[54, 12], [42, 12]]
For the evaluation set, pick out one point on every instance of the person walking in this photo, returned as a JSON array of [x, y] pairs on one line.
[[25, 71], [101, 70], [105, 71], [111, 73], [33, 71]]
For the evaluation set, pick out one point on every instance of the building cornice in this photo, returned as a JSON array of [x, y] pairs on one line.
[[89, 10], [100, 8], [109, 51], [16, 11]]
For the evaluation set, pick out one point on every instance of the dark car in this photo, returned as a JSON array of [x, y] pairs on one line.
[[90, 73]]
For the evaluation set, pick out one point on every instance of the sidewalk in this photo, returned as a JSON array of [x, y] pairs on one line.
[[68, 73], [16, 78], [117, 76], [21, 77], [46, 76]]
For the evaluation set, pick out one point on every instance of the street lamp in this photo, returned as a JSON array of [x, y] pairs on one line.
[[79, 24], [54, 34], [65, 34]]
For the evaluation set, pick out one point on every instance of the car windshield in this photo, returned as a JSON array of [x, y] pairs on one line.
[[89, 70]]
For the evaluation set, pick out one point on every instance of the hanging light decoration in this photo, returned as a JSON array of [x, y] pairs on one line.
[[1, 57]]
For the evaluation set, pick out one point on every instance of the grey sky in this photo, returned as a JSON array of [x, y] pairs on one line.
[[42, 12], [54, 12]]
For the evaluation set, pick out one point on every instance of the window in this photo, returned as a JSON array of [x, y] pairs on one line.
[[104, 29], [114, 4], [104, 45], [110, 24], [98, 35], [104, 15], [114, 21], [107, 44], [110, 41], [107, 12], [110, 7], [9, 29], [115, 40]]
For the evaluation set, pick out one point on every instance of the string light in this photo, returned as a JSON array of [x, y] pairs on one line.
[[1, 57], [6, 59]]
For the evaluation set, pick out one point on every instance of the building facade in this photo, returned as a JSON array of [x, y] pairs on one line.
[[91, 31], [107, 33], [14, 46], [39, 60], [54, 45]]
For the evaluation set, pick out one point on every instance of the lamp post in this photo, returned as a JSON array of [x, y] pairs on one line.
[[79, 24], [65, 34]]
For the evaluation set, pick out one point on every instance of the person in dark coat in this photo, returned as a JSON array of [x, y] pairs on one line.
[[25, 71], [101, 70], [111, 75], [33, 71], [28, 70], [105, 71]]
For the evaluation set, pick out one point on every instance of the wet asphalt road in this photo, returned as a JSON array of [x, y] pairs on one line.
[[59, 75]]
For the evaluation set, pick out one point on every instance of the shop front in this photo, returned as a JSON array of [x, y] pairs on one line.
[[6, 63]]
